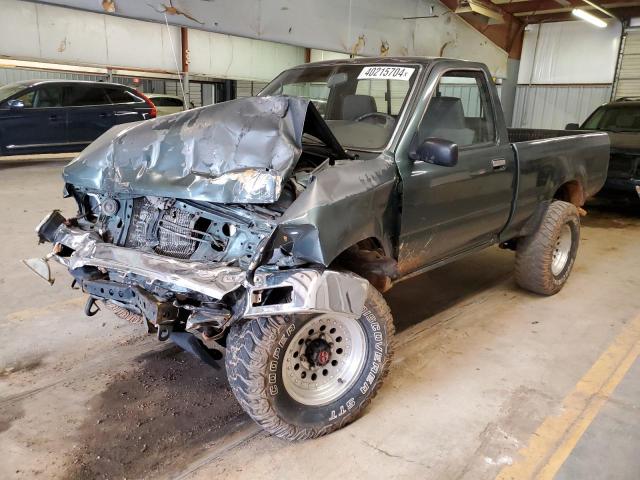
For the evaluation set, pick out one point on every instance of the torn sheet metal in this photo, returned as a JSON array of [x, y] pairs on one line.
[[311, 291], [240, 151], [211, 279]]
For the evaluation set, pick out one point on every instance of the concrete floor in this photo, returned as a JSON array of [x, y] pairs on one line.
[[488, 381]]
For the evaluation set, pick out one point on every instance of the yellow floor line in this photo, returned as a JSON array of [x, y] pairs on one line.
[[554, 440]]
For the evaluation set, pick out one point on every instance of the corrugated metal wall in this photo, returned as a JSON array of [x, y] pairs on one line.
[[147, 85], [10, 75], [553, 106], [468, 94]]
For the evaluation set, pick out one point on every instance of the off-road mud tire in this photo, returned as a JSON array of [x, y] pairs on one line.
[[534, 253], [255, 348]]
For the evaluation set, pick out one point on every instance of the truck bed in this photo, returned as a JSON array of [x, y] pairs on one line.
[[546, 161], [517, 135]]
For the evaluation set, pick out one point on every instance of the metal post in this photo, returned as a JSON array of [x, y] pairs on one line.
[[184, 41]]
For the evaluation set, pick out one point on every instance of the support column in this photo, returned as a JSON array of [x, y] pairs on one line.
[[510, 83], [184, 42]]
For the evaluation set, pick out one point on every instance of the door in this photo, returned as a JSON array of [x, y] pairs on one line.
[[37, 124], [89, 112], [449, 209]]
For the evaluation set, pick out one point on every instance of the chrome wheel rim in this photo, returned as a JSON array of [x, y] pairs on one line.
[[561, 251], [324, 359]]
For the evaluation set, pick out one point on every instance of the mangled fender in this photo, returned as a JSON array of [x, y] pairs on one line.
[[342, 205], [240, 151]]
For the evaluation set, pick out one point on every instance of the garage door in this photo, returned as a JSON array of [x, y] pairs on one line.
[[628, 84]]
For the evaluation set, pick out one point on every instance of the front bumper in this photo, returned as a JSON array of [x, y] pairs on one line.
[[306, 290]]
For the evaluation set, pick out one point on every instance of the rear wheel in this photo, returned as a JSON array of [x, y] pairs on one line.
[[305, 376], [544, 259]]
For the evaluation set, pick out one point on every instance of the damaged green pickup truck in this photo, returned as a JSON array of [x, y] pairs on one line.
[[266, 229]]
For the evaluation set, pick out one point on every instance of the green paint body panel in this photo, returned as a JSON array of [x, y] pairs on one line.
[[425, 214]]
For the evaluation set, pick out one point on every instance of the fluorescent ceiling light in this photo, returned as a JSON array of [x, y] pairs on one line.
[[587, 17]]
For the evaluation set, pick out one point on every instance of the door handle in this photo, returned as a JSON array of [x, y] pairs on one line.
[[498, 163], [53, 117], [104, 115]]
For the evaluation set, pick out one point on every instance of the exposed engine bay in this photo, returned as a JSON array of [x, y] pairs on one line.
[[189, 229], [191, 235], [181, 264]]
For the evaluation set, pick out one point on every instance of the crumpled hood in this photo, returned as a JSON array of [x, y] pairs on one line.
[[240, 151]]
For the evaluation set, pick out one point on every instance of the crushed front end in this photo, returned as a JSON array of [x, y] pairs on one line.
[[198, 254]]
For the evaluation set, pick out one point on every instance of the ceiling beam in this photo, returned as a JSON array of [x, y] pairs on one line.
[[507, 35]]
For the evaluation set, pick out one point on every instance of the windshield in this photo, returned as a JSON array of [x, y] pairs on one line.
[[361, 104], [9, 90], [619, 118]]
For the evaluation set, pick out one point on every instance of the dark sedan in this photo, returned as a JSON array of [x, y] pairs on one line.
[[621, 119], [46, 116]]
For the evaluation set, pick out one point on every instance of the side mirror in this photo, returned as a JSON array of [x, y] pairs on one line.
[[15, 104], [436, 151], [572, 126]]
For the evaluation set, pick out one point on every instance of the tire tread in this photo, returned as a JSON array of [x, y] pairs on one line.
[[533, 254], [246, 362]]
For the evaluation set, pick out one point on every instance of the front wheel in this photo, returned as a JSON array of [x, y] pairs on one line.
[[544, 259], [305, 376]]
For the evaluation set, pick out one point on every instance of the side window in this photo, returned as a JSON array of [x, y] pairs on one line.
[[27, 98], [84, 95], [48, 96], [120, 95], [460, 110]]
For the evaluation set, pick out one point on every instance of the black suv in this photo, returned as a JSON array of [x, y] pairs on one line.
[[46, 116], [621, 120]]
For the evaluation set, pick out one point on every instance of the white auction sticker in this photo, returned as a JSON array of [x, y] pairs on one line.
[[386, 73]]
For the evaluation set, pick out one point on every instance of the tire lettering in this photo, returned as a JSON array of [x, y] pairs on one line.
[[273, 365], [377, 354]]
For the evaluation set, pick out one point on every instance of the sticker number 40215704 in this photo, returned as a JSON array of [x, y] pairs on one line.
[[386, 73]]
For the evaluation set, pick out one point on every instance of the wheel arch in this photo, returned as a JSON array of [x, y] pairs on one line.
[[571, 191], [371, 260]]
